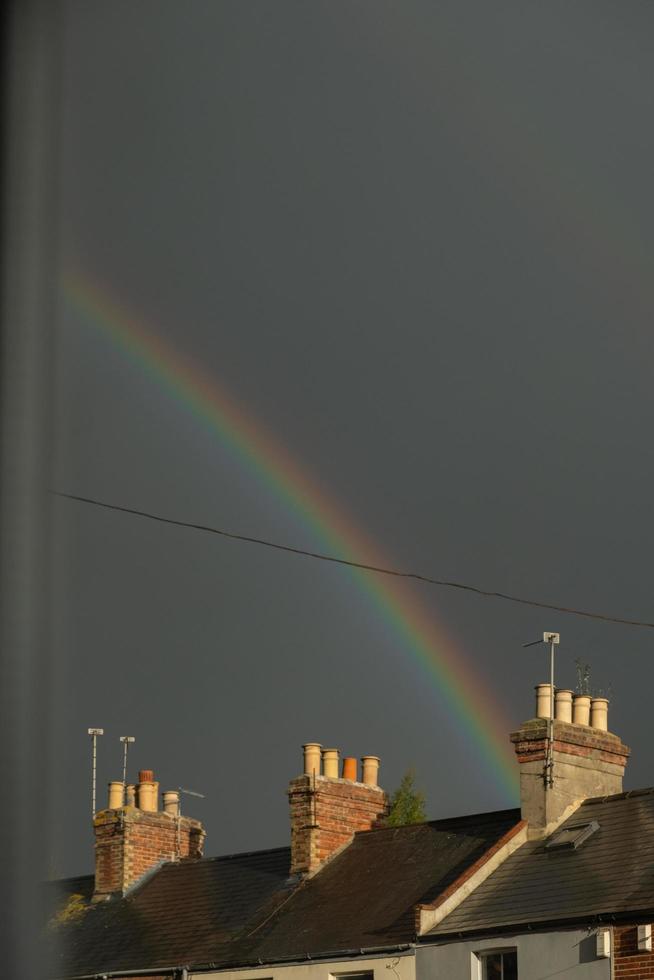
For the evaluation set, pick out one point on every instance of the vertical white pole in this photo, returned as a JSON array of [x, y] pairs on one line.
[[94, 732], [95, 742], [125, 739], [551, 725]]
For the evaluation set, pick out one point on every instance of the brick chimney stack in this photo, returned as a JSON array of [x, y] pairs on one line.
[[134, 838], [587, 760], [326, 811]]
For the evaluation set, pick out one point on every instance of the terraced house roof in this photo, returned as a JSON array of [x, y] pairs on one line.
[[244, 908]]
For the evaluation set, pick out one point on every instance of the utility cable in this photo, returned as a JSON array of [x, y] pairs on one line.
[[319, 556]]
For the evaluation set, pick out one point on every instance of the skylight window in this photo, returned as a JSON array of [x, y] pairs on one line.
[[570, 838]]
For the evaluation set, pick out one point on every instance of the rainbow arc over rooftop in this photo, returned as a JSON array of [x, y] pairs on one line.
[[473, 713]]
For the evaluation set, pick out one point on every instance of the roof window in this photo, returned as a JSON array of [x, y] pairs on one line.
[[570, 838]]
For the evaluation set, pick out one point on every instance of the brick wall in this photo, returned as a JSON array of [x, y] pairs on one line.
[[325, 813], [628, 962], [129, 842]]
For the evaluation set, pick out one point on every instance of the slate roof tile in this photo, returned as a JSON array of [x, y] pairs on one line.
[[241, 908], [610, 874]]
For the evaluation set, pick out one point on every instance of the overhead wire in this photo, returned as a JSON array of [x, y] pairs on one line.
[[350, 563]]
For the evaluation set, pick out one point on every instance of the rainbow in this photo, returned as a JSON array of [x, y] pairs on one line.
[[473, 711]]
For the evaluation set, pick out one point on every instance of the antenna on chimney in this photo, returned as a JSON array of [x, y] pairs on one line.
[[94, 732], [188, 792], [126, 740], [548, 771]]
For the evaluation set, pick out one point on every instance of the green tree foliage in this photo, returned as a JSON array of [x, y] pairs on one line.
[[407, 804]]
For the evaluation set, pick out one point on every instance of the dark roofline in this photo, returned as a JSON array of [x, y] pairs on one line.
[[540, 925], [242, 854], [136, 972], [626, 794], [165, 863], [70, 879], [300, 958], [224, 965], [439, 821]]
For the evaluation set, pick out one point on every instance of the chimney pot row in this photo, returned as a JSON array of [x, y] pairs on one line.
[[578, 709], [147, 791], [319, 761]]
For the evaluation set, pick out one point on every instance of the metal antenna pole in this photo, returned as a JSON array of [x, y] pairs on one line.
[[186, 792], [548, 772], [552, 638], [126, 740], [94, 732]]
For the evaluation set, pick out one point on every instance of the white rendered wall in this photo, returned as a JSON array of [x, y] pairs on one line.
[[398, 966], [541, 956]]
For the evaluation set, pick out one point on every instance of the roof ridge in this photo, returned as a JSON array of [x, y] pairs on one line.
[[510, 811], [624, 795], [62, 881], [241, 854]]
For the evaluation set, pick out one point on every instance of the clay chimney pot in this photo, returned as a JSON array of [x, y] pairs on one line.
[[330, 763], [350, 769]]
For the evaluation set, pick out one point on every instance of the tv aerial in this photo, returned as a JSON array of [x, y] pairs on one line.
[[94, 733], [127, 740], [553, 639]]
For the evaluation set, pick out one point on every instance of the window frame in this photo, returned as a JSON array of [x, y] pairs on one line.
[[484, 954], [570, 838], [352, 975]]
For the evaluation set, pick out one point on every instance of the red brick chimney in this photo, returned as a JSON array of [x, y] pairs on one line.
[[326, 811], [132, 839]]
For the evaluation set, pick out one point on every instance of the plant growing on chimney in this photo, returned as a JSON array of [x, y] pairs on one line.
[[407, 803], [583, 677]]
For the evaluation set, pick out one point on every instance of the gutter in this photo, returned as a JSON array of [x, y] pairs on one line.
[[136, 972], [301, 959], [182, 972], [541, 925]]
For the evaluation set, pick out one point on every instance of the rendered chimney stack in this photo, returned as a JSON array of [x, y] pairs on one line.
[[132, 840], [587, 760], [327, 811]]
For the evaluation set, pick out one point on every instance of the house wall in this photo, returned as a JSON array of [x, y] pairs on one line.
[[630, 962], [400, 966], [565, 955], [561, 955]]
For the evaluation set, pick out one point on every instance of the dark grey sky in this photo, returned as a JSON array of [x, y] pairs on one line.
[[415, 240]]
